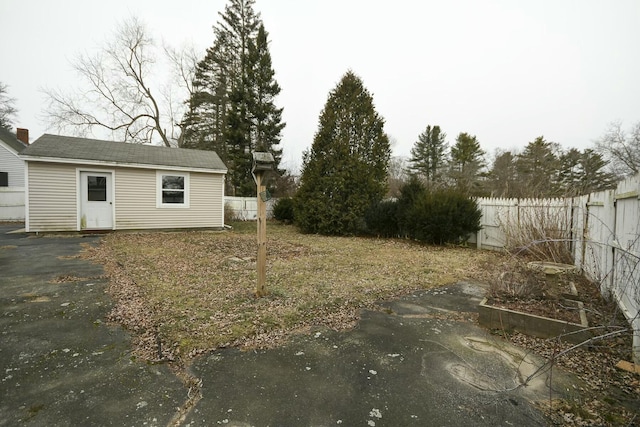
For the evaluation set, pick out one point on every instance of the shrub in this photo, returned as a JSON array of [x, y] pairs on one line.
[[443, 216], [513, 279], [320, 210], [283, 210], [409, 194], [541, 230], [229, 213], [382, 219]]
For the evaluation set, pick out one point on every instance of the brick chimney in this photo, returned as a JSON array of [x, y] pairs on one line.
[[23, 135]]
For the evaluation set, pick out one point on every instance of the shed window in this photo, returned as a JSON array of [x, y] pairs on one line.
[[173, 189]]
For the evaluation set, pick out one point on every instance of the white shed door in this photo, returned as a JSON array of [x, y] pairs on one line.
[[96, 206]]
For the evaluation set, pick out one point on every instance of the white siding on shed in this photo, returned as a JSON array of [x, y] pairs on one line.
[[52, 197], [14, 165], [136, 207]]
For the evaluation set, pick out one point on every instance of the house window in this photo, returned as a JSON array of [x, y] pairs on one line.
[[4, 179], [173, 189]]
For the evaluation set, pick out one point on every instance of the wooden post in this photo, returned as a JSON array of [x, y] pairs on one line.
[[262, 238]]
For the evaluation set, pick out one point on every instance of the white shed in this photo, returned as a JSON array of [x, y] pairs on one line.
[[76, 184]]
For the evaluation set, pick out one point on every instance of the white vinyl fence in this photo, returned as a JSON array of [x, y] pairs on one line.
[[602, 231], [501, 215], [245, 208], [12, 204]]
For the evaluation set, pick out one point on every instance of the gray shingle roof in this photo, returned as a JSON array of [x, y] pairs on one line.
[[93, 150], [11, 140]]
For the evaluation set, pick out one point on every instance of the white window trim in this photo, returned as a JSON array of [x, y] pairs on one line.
[[187, 191]]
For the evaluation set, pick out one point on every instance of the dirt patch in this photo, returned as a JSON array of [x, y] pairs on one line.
[[516, 287]]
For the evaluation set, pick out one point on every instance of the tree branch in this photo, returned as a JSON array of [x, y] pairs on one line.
[[116, 95]]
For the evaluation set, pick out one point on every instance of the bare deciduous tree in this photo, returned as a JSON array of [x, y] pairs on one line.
[[621, 149], [397, 175], [116, 93], [183, 62], [7, 107]]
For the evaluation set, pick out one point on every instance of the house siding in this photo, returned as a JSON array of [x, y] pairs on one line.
[[52, 197], [136, 207], [11, 163]]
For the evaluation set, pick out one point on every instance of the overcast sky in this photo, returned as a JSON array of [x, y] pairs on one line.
[[506, 71]]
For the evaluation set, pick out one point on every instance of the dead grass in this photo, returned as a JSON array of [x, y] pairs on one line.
[[194, 291], [184, 293]]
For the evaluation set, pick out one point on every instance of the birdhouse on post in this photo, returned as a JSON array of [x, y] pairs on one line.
[[263, 163]]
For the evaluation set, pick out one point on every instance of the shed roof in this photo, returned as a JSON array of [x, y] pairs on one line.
[[59, 148], [11, 140]]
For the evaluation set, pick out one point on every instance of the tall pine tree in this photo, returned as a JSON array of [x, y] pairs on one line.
[[232, 109], [594, 176], [467, 162], [345, 171], [537, 166], [583, 173], [570, 172], [503, 176], [263, 89], [428, 155], [205, 121]]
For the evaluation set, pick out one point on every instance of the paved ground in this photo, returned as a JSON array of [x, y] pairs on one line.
[[414, 364], [60, 365]]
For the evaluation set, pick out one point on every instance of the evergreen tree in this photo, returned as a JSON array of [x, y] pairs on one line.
[[467, 161], [237, 29], [583, 173], [537, 168], [428, 155], [413, 190], [232, 109], [503, 177], [594, 176], [570, 173], [205, 121], [237, 139], [345, 171], [263, 88]]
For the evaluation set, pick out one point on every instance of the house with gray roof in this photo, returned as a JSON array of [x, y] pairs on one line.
[[80, 184], [11, 176]]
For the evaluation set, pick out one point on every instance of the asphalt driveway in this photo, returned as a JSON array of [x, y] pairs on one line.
[[60, 364], [419, 362]]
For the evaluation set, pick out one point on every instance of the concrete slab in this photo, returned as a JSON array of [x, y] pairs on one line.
[[392, 370]]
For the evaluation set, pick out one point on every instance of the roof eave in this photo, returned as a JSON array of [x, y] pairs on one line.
[[10, 148], [119, 164]]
